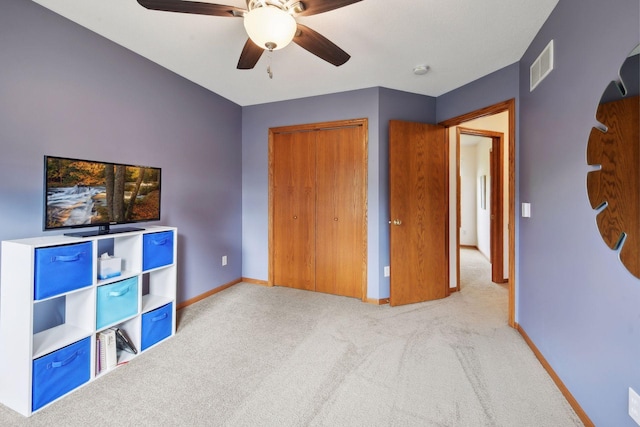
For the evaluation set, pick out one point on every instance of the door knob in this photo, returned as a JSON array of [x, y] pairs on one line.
[[397, 222]]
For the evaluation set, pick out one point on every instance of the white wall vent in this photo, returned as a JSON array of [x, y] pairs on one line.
[[541, 67]]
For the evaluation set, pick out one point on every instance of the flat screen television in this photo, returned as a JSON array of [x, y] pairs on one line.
[[86, 193]]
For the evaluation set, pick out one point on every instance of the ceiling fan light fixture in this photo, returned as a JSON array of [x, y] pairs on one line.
[[270, 27]]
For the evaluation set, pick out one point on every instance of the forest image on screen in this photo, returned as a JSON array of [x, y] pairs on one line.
[[85, 193]]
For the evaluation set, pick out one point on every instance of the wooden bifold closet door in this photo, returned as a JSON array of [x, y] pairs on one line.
[[318, 207]]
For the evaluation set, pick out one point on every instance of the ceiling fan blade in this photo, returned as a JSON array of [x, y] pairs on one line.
[[313, 7], [320, 46], [249, 56], [194, 7]]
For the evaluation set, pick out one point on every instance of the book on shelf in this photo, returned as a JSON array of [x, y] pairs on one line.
[[98, 355], [108, 353], [123, 342]]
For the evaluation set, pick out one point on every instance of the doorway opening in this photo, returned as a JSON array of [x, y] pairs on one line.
[[480, 197], [487, 119]]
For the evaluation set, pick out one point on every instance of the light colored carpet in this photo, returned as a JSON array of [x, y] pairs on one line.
[[258, 356]]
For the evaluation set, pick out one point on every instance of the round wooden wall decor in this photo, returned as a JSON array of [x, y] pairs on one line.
[[614, 147]]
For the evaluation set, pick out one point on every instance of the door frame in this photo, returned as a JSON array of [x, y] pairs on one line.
[[496, 208], [510, 107], [364, 123]]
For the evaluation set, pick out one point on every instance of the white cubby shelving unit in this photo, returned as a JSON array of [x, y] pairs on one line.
[[53, 306]]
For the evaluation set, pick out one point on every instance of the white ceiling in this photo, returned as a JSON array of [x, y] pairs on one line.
[[460, 40]]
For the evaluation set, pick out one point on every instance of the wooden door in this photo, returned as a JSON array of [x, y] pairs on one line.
[[293, 177], [318, 207], [496, 232], [418, 166], [341, 211]]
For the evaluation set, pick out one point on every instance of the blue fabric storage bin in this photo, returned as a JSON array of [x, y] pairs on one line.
[[116, 301], [60, 269], [157, 325], [60, 372], [157, 250]]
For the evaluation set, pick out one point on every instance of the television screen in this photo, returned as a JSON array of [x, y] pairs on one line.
[[85, 193]]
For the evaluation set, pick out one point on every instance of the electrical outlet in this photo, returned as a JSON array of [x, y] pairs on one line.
[[387, 271], [224, 260], [634, 406]]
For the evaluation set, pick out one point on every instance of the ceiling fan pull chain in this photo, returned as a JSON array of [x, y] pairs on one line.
[[269, 72]]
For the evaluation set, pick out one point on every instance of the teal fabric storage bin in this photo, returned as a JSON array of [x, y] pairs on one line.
[[60, 269], [60, 372], [157, 325], [157, 250], [116, 302]]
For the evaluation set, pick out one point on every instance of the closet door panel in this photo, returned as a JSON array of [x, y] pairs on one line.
[[294, 210], [341, 211]]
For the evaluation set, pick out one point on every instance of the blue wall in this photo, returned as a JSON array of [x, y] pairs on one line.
[[577, 301], [66, 91], [493, 88], [378, 106]]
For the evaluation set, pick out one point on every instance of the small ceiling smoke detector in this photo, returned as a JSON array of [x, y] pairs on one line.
[[420, 70]]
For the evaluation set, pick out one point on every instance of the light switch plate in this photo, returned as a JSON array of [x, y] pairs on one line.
[[526, 210], [634, 406]]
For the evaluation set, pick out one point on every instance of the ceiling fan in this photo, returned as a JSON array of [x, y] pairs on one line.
[[270, 24]]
